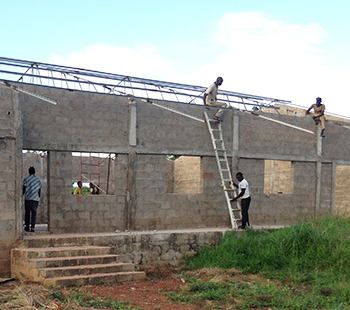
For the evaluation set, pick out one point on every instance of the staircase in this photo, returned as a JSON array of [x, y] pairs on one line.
[[71, 265]]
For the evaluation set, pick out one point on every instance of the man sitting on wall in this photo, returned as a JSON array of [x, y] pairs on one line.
[[210, 98], [319, 114]]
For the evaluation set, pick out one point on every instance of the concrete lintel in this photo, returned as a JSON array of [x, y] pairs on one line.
[[274, 156]]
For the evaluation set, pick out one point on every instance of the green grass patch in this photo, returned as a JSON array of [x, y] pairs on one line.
[[313, 253]]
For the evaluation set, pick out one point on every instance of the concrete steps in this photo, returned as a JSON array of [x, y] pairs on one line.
[[72, 266]]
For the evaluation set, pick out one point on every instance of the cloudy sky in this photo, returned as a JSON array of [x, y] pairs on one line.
[[293, 50]]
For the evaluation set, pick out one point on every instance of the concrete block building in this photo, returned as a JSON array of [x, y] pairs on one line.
[[292, 173]]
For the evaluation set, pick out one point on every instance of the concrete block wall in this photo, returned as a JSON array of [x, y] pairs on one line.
[[91, 122], [80, 122], [326, 203], [79, 213], [10, 176], [157, 209], [261, 136], [161, 132], [280, 209]]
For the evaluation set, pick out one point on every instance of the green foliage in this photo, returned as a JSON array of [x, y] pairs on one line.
[[315, 252]]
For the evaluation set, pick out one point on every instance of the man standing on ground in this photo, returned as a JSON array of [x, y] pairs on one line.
[[244, 194], [32, 190], [319, 114], [210, 98]]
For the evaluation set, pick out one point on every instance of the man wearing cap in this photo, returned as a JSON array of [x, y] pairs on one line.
[[210, 98], [32, 190], [319, 114]]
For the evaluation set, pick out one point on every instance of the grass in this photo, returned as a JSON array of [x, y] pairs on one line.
[[83, 298], [31, 297], [314, 254]]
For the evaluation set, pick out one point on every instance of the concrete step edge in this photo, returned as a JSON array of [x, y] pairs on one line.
[[119, 277], [63, 248], [39, 259], [44, 273], [85, 266]]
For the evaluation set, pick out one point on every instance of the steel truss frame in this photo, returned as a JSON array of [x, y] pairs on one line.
[[43, 74]]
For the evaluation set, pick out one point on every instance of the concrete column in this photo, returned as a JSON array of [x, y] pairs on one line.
[[334, 171], [318, 187], [17, 125], [131, 192], [318, 170], [132, 122], [235, 143]]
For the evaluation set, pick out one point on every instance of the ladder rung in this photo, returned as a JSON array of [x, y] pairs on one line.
[[236, 209], [227, 180], [224, 170]]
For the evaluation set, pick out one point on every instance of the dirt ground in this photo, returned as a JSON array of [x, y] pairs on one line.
[[145, 295]]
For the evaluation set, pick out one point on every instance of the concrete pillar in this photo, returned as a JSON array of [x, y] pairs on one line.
[[132, 123], [131, 192], [318, 170], [334, 171], [235, 144]]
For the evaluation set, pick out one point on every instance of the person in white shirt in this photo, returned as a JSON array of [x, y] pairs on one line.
[[244, 195]]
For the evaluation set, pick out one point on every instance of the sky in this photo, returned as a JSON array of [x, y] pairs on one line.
[[292, 50]]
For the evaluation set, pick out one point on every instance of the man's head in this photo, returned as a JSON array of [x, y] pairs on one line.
[[239, 176], [31, 170], [318, 100], [80, 184], [219, 81]]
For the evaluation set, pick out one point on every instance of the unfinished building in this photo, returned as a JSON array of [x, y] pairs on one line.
[[292, 172]]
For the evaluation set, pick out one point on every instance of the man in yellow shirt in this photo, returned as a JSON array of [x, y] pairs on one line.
[[319, 114], [78, 190]]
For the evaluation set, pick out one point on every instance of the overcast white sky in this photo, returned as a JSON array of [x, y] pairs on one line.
[[293, 50]]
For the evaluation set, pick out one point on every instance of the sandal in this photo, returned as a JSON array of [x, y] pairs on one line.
[[217, 118]]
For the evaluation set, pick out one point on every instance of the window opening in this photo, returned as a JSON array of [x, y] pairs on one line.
[[184, 175], [279, 177], [342, 194], [96, 172]]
